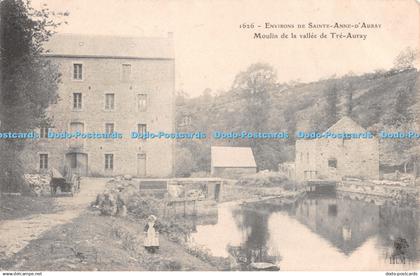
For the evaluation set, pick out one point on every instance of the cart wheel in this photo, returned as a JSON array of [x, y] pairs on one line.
[[75, 184]]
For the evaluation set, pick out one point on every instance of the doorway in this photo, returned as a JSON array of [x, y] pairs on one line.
[[77, 163], [141, 164]]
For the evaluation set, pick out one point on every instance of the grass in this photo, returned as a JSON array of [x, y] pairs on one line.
[[92, 242], [14, 207]]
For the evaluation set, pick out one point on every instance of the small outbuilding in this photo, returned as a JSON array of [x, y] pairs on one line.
[[232, 162]]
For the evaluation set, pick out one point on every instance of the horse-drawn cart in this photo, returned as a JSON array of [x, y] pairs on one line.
[[69, 184]]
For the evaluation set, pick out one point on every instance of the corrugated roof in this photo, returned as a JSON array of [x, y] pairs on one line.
[[110, 46], [232, 157]]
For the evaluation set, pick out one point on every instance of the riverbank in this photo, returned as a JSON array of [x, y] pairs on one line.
[[179, 223], [234, 192], [68, 234], [89, 241], [380, 191], [92, 242], [176, 222]]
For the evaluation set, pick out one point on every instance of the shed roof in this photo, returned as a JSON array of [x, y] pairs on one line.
[[76, 45], [232, 157]]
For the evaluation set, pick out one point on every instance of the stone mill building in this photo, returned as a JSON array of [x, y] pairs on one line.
[[109, 85], [333, 158]]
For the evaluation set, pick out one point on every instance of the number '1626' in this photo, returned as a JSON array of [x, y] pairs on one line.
[[247, 26]]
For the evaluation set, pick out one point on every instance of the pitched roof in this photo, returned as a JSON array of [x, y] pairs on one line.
[[346, 124], [232, 157], [110, 46]]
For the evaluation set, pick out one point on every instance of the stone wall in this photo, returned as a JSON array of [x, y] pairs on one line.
[[354, 158], [232, 172], [103, 75]]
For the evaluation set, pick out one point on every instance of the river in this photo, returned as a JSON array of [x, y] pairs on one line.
[[315, 233]]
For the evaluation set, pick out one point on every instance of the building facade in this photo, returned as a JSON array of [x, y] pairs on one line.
[[333, 159], [109, 85], [232, 162]]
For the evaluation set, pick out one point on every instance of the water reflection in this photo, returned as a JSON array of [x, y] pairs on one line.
[[345, 223], [319, 233]]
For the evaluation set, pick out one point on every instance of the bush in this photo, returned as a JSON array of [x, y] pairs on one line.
[[184, 162], [264, 179], [11, 171], [170, 265], [144, 206], [176, 231]]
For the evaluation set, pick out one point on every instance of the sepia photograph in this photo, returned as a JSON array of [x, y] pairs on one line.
[[209, 135]]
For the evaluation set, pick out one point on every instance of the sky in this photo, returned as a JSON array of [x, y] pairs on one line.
[[210, 48]]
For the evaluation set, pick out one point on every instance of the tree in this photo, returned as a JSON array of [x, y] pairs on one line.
[[400, 114], [289, 115], [331, 109], [401, 119], [29, 82], [320, 121], [349, 101], [254, 86], [181, 97], [405, 59], [184, 162], [374, 114]]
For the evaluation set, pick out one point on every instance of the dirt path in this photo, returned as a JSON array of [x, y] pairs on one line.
[[16, 234]]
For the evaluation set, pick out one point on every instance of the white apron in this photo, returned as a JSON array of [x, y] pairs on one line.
[[152, 236]]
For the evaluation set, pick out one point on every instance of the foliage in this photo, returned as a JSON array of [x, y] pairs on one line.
[[401, 119], [254, 85], [205, 255], [400, 114], [29, 81], [144, 206], [184, 162], [265, 179], [331, 109], [371, 99], [405, 60]]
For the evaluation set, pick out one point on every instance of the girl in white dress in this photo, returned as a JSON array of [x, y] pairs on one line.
[[151, 231]]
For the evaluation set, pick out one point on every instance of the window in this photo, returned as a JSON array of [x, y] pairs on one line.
[[109, 101], [77, 71], [141, 102], [141, 128], [126, 72], [77, 101], [109, 128], [43, 161], [77, 127], [43, 133], [332, 163], [109, 161], [332, 210], [307, 157], [186, 120]]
